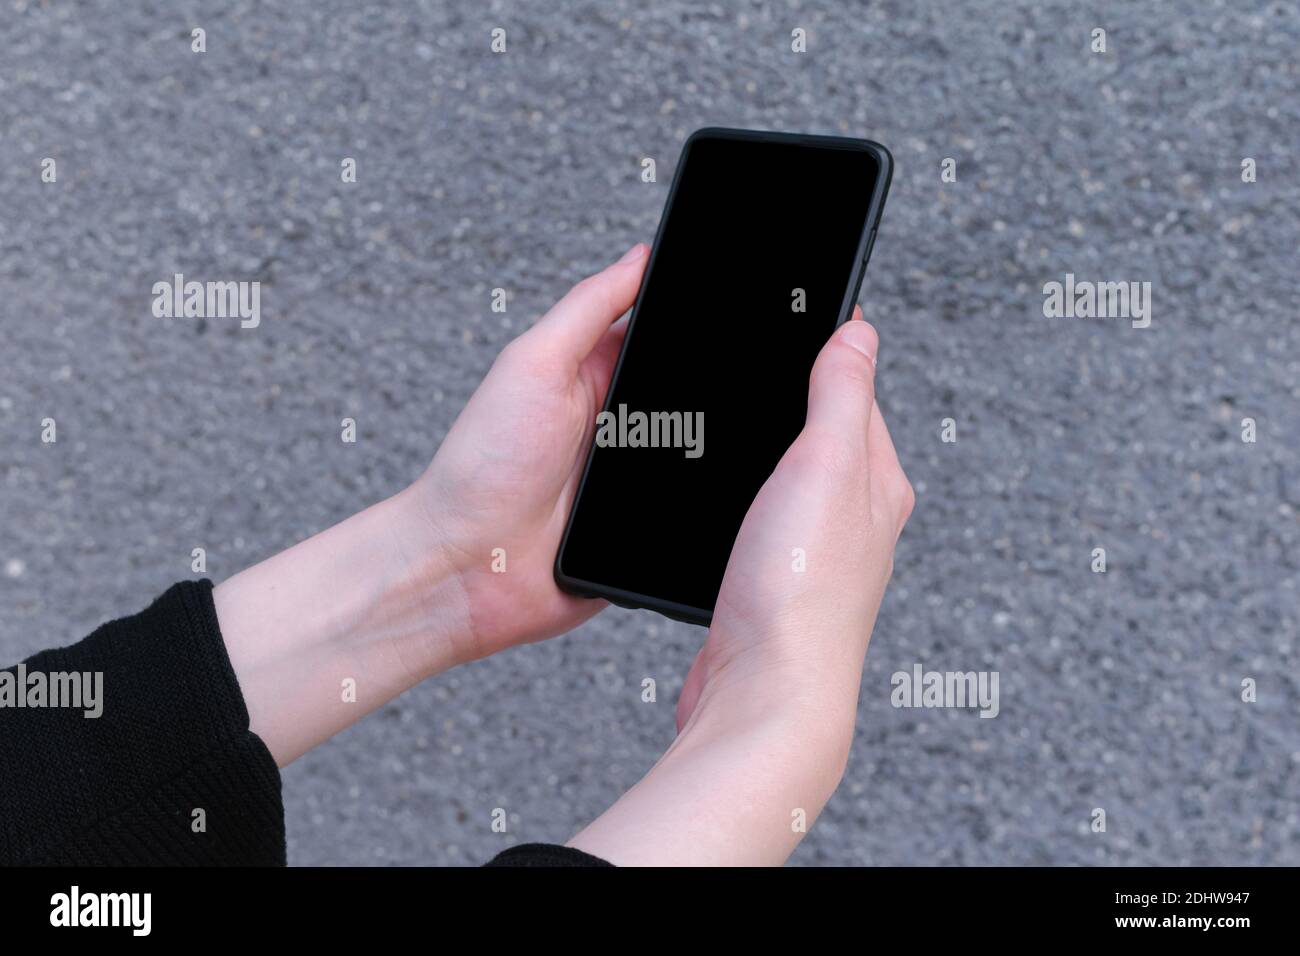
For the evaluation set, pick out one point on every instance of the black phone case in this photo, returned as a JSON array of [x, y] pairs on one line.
[[630, 599]]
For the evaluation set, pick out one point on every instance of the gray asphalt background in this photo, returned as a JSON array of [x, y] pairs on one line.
[[1118, 690]]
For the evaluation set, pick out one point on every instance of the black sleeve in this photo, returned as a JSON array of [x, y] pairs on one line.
[[545, 854], [126, 787]]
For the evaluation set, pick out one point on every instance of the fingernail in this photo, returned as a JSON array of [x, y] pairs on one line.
[[862, 337], [636, 252]]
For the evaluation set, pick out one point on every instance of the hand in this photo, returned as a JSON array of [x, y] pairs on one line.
[[405, 589], [506, 475], [808, 571], [767, 713]]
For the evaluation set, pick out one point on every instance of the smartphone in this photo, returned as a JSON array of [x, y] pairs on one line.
[[759, 257]]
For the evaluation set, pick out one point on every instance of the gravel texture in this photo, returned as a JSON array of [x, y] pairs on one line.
[[1119, 690]]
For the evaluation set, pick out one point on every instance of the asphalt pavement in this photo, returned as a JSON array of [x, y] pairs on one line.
[[1119, 690]]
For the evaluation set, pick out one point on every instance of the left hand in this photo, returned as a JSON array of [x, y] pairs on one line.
[[405, 589], [507, 472]]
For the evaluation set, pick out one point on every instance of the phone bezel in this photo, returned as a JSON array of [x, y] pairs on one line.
[[885, 162]]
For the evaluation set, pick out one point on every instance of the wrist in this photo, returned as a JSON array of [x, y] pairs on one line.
[[783, 686], [421, 590], [740, 797], [805, 742], [502, 559], [339, 624]]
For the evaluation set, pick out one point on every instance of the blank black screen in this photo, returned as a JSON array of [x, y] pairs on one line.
[[716, 332]]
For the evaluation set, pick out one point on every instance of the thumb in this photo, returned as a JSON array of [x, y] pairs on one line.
[[576, 323], [843, 385]]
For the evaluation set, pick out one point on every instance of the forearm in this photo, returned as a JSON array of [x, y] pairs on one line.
[[371, 601], [723, 795]]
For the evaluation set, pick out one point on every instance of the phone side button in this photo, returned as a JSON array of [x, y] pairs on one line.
[[871, 244]]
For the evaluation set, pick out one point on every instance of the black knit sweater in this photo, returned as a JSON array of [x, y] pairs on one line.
[[169, 773]]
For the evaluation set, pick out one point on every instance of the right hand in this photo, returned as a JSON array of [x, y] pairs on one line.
[[789, 644], [766, 717]]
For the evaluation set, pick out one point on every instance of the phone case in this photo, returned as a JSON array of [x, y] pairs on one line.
[[682, 612]]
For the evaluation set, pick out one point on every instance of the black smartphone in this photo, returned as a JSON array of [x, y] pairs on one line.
[[759, 257]]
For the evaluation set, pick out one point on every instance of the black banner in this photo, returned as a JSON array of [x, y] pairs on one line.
[[337, 905]]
